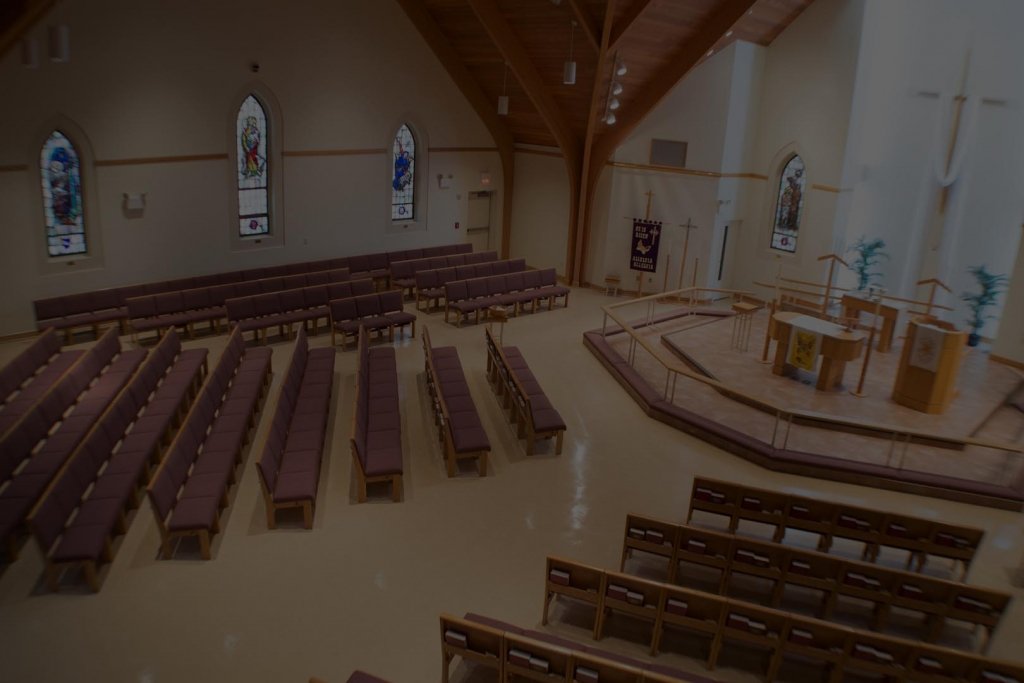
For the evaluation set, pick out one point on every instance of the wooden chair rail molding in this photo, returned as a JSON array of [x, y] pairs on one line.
[[842, 649], [888, 433], [515, 656], [920, 538], [937, 600]]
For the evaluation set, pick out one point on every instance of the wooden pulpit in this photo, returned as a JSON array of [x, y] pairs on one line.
[[929, 364]]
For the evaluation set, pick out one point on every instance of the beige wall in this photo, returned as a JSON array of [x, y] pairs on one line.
[[154, 79], [1010, 342], [540, 211]]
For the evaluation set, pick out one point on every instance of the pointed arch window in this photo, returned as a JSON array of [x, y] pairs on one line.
[[403, 179], [789, 205], [63, 208], [252, 137]]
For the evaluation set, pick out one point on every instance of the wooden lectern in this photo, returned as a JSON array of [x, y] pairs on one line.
[[929, 365]]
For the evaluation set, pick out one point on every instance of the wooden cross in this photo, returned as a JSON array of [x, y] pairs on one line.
[[958, 106], [686, 245], [934, 282], [831, 258], [650, 196]]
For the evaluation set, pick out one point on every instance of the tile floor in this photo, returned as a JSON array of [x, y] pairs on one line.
[[364, 588]]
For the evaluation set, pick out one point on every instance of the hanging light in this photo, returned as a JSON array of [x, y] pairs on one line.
[[610, 119], [503, 97], [613, 103], [569, 68], [620, 68], [616, 88], [30, 53]]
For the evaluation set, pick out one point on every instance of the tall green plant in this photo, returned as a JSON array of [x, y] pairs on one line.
[[869, 254], [990, 286]]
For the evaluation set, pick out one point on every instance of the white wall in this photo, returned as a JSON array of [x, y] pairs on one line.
[[151, 79], [695, 111], [1010, 343], [896, 134], [805, 101], [540, 211]]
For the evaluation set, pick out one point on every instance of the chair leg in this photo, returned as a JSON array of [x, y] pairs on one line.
[[558, 442], [89, 569], [482, 462], [396, 488], [204, 544], [307, 514]]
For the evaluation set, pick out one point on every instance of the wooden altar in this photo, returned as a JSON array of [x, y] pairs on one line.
[[836, 348]]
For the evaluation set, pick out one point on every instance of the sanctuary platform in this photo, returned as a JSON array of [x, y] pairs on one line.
[[682, 364]]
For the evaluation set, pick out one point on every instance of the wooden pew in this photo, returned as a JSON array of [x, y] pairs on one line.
[[528, 406], [920, 538], [937, 600], [782, 634]]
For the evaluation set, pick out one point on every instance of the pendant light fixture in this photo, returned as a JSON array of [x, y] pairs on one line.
[[569, 68], [503, 97]]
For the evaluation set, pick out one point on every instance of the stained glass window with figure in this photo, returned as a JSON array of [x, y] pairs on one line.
[[789, 205], [253, 169], [403, 179], [62, 196]]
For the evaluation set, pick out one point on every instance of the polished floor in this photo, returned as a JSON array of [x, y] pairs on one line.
[[364, 588]]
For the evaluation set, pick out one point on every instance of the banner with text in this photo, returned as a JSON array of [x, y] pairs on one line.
[[646, 237]]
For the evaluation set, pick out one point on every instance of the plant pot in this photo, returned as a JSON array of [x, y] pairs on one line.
[[973, 339]]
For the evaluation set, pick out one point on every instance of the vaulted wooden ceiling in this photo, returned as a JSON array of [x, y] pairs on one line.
[[518, 48]]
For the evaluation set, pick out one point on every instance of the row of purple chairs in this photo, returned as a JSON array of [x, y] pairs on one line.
[[458, 423], [187, 307], [403, 273], [102, 478], [520, 392], [515, 290], [374, 312], [190, 488], [284, 309], [377, 438], [89, 400], [289, 470], [32, 373], [430, 284], [91, 309]]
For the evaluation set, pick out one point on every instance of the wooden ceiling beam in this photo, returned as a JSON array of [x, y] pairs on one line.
[[727, 13], [31, 13], [586, 23], [485, 107], [635, 11], [503, 37]]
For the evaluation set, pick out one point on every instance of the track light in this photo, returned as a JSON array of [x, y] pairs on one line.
[[613, 103], [610, 119], [30, 53], [569, 68], [620, 68], [60, 43], [616, 88]]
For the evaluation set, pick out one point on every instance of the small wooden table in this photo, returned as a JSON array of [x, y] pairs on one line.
[[889, 312], [741, 324], [837, 346]]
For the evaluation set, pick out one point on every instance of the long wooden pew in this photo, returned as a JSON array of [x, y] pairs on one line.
[[516, 654], [922, 539], [720, 620], [938, 601]]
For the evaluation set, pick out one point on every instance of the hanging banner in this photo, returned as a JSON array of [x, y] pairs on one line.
[[646, 238]]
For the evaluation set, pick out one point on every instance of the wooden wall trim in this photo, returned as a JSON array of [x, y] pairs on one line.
[[332, 152], [447, 150], [684, 171], [161, 160], [825, 188], [14, 168], [539, 152]]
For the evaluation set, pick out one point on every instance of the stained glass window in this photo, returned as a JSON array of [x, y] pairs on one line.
[[403, 180], [789, 205], [253, 169], [62, 196]]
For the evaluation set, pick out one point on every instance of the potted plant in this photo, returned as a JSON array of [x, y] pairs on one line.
[[991, 286], [869, 254]]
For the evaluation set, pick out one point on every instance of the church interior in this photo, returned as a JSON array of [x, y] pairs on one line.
[[383, 340]]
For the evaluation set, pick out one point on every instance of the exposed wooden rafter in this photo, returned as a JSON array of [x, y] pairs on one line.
[[518, 59], [586, 24], [619, 30]]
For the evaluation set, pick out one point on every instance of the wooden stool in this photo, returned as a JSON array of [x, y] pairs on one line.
[[611, 285], [741, 323]]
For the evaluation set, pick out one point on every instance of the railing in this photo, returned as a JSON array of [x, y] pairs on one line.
[[904, 445]]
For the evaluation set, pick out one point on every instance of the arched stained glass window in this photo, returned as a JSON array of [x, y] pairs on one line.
[[61, 173], [252, 137], [789, 205], [403, 181]]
